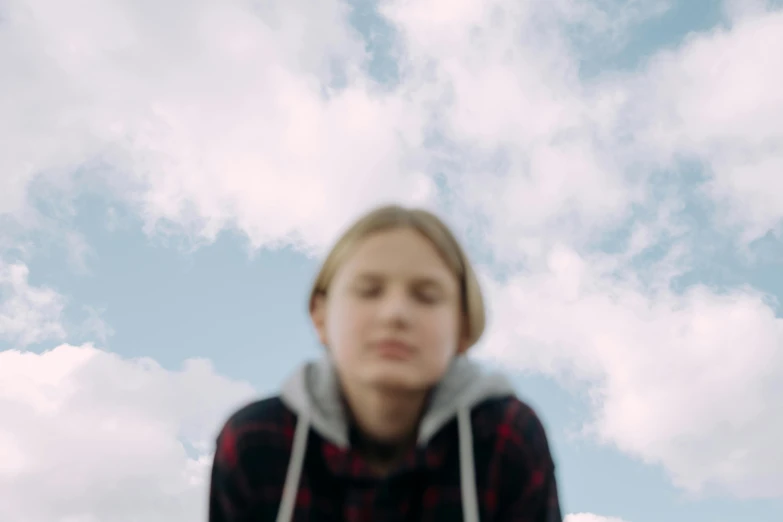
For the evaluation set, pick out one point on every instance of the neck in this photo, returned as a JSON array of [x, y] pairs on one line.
[[386, 421]]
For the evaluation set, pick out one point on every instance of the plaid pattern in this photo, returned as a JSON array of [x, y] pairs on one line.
[[515, 477]]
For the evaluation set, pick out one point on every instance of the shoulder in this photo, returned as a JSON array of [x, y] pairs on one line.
[[516, 477], [515, 454], [262, 426], [250, 462], [515, 428], [262, 411]]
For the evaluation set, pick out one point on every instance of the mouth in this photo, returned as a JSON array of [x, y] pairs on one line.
[[393, 349]]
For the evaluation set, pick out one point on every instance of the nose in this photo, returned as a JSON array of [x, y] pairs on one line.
[[396, 307]]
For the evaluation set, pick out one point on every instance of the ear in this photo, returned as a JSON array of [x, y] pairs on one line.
[[318, 316], [462, 345], [464, 339]]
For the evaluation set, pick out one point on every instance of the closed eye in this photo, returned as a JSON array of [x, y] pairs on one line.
[[368, 291], [428, 294]]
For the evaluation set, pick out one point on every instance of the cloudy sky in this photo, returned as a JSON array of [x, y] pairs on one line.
[[170, 173]]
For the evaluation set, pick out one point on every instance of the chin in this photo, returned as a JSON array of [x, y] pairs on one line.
[[395, 376]]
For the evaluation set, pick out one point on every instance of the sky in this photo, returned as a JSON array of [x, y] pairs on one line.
[[172, 172]]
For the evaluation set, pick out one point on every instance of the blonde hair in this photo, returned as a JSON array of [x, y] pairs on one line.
[[432, 228]]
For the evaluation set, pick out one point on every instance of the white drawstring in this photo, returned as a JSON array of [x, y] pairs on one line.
[[291, 486], [467, 470]]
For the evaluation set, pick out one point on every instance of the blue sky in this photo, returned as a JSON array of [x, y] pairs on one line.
[[613, 167]]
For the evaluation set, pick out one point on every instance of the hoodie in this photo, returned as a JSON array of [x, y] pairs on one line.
[[289, 457]]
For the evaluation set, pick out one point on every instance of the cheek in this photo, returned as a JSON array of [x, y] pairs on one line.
[[345, 326], [441, 333]]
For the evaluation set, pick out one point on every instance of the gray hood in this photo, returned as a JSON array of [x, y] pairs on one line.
[[313, 394]]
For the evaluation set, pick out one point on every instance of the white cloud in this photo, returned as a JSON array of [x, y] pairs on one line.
[[525, 138], [715, 100], [206, 114], [691, 382], [543, 155], [589, 517], [263, 119], [105, 438], [28, 314], [226, 119]]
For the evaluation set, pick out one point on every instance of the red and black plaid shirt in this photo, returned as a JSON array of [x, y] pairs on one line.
[[515, 477]]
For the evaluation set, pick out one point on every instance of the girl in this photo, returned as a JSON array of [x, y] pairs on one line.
[[395, 423]]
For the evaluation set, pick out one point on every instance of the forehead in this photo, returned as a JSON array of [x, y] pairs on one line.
[[400, 252]]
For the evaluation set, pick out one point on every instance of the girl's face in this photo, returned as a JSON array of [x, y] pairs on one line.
[[392, 315]]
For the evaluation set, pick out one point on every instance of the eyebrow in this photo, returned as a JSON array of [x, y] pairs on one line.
[[418, 280]]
